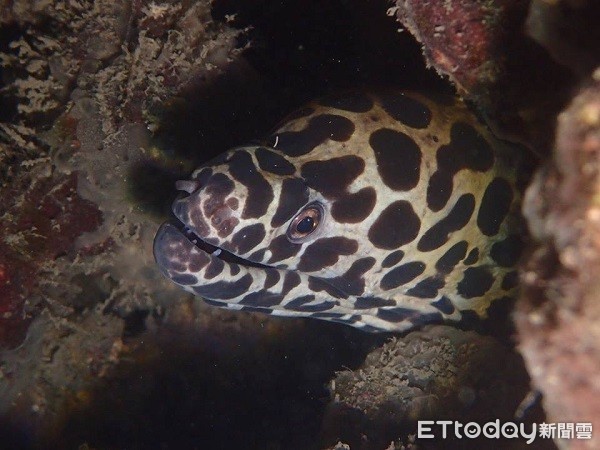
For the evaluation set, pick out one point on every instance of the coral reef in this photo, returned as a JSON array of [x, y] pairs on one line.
[[480, 46], [49, 375], [463, 39], [39, 225], [86, 79], [559, 312], [102, 78], [439, 371]]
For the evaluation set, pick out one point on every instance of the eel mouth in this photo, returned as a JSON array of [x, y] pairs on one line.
[[213, 250]]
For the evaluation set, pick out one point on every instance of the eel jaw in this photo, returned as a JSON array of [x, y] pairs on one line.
[[175, 243], [214, 250]]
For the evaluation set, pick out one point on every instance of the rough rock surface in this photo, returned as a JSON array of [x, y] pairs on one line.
[[438, 372], [83, 83], [558, 316], [481, 47]]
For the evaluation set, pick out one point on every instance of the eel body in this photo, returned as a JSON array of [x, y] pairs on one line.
[[381, 211]]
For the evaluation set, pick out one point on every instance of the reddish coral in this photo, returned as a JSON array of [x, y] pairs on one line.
[[463, 38], [480, 46], [38, 227], [13, 275]]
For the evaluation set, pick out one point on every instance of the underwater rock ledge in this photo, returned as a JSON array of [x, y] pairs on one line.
[[558, 315]]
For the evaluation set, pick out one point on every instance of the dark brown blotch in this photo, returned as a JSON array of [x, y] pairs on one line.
[[233, 203], [217, 188], [247, 238], [260, 192], [215, 303], [392, 259], [396, 225], [444, 304], [224, 290], [427, 288], [331, 177], [290, 281], [281, 248], [272, 278], [495, 206], [372, 302], [456, 219], [396, 314], [318, 130], [197, 261], [356, 207], [195, 217], [472, 257], [273, 162], [326, 252], [316, 284], [261, 299], [452, 257], [507, 252], [469, 319], [401, 275], [215, 267], [425, 319], [475, 283], [352, 281], [467, 149], [293, 196], [203, 175], [398, 158], [406, 109], [184, 279], [214, 207], [439, 190], [224, 226], [256, 309], [302, 304], [258, 255], [510, 280]]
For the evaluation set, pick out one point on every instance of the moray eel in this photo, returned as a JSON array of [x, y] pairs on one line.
[[381, 211]]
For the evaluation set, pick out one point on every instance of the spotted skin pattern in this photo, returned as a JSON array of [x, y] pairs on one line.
[[415, 206]]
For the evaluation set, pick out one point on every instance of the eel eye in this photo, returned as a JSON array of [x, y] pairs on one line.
[[305, 223]]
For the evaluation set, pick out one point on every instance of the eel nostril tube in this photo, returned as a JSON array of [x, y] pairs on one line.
[[189, 186]]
